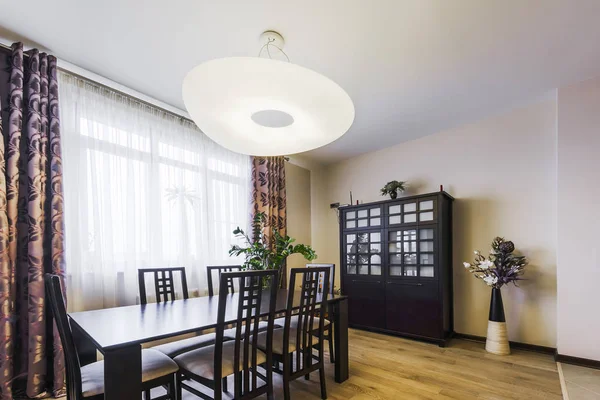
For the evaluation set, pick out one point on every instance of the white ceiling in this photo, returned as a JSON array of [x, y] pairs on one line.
[[412, 67]]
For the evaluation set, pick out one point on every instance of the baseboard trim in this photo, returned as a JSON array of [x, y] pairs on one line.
[[582, 362], [515, 345]]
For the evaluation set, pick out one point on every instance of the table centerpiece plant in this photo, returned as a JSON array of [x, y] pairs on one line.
[[500, 268], [261, 252]]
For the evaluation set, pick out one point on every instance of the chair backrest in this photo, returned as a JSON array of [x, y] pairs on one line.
[[321, 276], [257, 298], [54, 295], [220, 269], [164, 286], [312, 300]]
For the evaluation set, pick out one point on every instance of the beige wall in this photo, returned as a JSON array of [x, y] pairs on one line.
[[579, 220], [502, 172], [298, 209]]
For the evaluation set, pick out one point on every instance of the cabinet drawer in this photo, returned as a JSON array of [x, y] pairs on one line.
[[366, 302], [413, 308]]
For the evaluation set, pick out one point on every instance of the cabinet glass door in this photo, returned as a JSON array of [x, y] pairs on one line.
[[402, 252], [363, 253], [427, 210], [427, 253], [402, 213], [411, 253], [369, 217], [351, 253]]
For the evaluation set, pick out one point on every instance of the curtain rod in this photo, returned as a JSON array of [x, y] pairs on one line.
[[117, 91]]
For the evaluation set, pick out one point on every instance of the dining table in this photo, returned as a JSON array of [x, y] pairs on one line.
[[119, 333]]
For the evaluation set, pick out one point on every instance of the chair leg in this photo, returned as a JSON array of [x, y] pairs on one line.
[[269, 376], [238, 385], [225, 385], [307, 362], [173, 388], [179, 388], [287, 366], [330, 340], [322, 379]]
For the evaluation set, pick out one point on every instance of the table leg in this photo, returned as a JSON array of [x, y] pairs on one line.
[[340, 342], [123, 373], [86, 349]]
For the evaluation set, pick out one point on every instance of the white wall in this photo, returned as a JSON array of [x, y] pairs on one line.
[[502, 172], [579, 220], [297, 181]]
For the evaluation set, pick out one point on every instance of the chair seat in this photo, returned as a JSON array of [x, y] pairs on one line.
[[201, 362], [278, 341], [154, 365], [173, 349], [229, 334], [294, 322]]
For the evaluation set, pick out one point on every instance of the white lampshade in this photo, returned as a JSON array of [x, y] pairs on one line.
[[266, 107]]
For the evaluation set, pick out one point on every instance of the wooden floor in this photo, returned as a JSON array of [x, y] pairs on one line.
[[386, 367]]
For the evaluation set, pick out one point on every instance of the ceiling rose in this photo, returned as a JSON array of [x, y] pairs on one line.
[[264, 106]]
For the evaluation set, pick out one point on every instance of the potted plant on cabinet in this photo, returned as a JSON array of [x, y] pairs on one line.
[[501, 267], [392, 188], [261, 253]]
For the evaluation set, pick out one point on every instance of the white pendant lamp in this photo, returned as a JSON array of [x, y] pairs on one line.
[[266, 107]]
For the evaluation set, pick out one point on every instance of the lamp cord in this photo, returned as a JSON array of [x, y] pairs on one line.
[[270, 43]]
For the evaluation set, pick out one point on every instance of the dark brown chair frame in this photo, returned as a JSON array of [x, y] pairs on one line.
[[163, 283], [250, 303], [54, 294], [221, 269], [310, 292], [328, 330]]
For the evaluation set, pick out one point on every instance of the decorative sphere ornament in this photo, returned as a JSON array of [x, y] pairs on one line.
[[507, 247]]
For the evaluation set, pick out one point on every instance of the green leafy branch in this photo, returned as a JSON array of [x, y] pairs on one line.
[[260, 253]]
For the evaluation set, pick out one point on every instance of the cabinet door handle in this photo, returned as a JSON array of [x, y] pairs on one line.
[[404, 283], [357, 280]]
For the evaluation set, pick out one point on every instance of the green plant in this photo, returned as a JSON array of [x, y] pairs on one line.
[[261, 253], [392, 188]]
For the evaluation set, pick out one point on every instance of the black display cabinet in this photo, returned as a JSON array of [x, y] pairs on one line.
[[396, 259]]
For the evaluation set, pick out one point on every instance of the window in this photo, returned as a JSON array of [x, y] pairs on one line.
[[142, 189]]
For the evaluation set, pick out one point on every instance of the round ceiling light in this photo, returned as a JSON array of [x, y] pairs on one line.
[[266, 107]]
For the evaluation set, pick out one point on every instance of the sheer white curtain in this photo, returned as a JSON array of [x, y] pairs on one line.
[[143, 188]]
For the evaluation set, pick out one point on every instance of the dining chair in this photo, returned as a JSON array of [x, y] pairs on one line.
[[302, 331], [220, 269], [241, 356], [87, 382], [328, 330], [230, 288], [164, 286]]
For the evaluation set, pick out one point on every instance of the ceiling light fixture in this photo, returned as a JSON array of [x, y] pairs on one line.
[[266, 105]]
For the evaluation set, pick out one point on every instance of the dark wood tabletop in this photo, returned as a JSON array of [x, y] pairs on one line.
[[119, 333], [112, 328]]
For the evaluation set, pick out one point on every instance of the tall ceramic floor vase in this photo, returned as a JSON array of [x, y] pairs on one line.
[[497, 335]]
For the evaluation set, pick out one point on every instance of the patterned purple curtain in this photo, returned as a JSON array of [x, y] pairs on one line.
[[269, 196], [31, 224]]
